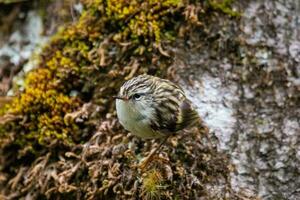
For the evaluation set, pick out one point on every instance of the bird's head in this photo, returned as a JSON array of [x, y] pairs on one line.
[[137, 95]]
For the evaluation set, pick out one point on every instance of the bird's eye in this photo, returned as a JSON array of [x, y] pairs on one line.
[[136, 96]]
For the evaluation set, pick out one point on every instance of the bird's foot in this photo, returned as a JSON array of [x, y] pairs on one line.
[[145, 162], [150, 161]]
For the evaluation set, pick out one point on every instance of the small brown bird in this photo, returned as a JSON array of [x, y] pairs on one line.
[[151, 107]]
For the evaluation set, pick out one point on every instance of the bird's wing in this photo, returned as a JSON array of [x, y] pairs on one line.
[[188, 115], [184, 117]]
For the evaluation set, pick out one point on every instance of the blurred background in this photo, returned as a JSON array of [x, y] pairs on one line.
[[25, 26]]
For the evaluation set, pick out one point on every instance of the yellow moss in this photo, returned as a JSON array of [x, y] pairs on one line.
[[152, 185], [145, 19], [44, 112], [45, 100], [224, 6]]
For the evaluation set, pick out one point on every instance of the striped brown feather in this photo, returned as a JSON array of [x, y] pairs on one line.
[[189, 116]]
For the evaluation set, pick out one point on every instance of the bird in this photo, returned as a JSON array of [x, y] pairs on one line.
[[154, 108]]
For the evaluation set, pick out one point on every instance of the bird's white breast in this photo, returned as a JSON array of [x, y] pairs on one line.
[[135, 120]]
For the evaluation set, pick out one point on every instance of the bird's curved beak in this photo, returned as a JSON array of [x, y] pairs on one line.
[[121, 98]]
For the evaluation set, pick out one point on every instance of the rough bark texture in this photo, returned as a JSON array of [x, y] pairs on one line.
[[247, 90]]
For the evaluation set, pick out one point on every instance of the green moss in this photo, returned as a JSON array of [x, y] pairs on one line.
[[224, 6], [152, 185]]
